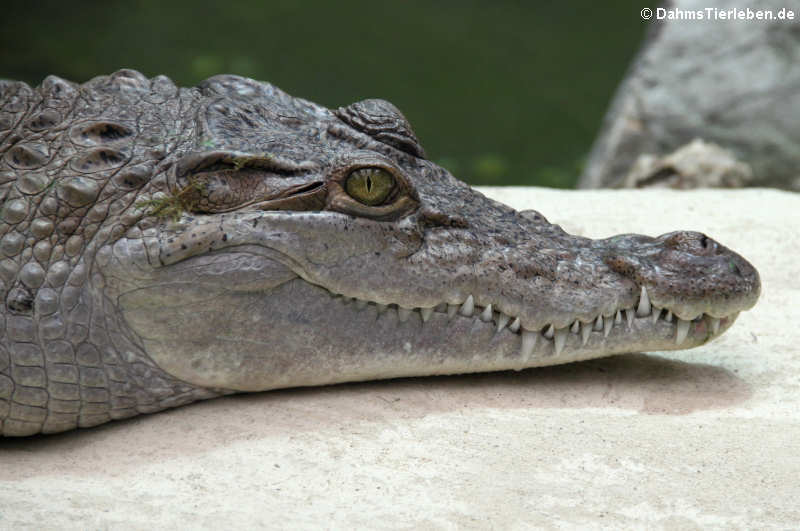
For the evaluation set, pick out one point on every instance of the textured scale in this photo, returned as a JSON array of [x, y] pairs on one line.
[[74, 160]]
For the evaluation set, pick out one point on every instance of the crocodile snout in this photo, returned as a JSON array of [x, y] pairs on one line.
[[725, 264], [687, 272]]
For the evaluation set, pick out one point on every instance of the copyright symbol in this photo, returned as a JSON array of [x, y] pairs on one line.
[[647, 13]]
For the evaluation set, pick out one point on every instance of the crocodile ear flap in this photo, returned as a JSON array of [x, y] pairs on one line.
[[382, 121]]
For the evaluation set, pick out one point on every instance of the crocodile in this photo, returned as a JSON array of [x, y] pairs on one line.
[[161, 245]]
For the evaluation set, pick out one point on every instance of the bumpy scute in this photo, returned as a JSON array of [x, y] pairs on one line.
[[75, 160]]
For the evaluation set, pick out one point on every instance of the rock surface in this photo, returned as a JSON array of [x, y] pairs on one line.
[[696, 165], [735, 83], [707, 438]]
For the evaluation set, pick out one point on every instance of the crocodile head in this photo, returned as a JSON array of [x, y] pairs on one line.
[[322, 246], [231, 237]]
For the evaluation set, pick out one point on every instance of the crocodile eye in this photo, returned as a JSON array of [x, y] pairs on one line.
[[370, 186]]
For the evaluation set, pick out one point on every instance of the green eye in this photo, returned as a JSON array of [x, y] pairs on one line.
[[370, 186]]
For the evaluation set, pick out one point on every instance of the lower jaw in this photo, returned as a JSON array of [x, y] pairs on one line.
[[446, 345], [492, 350], [299, 334]]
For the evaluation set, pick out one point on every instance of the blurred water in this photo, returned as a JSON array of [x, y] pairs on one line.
[[499, 92]]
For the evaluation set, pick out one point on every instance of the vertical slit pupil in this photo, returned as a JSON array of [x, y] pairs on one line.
[[369, 183]]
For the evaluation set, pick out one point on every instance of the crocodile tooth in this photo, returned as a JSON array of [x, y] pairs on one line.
[[451, 310], [468, 307], [381, 307], [629, 317], [361, 304], [656, 313], [528, 342], [561, 339], [607, 326], [515, 325], [403, 314], [683, 331], [586, 329], [486, 315], [576, 326], [714, 324], [425, 313], [668, 317], [549, 332], [644, 304], [598, 323], [502, 321], [618, 318]]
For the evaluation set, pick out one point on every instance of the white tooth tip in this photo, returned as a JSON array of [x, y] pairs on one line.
[[514, 327], [486, 314], [560, 340], [656, 313], [576, 327], [618, 318], [607, 326], [668, 317], [586, 329], [598, 323], [528, 342], [451, 310], [403, 314], [549, 332], [468, 307], [644, 304], [502, 321], [714, 324], [426, 314], [683, 331], [629, 317]]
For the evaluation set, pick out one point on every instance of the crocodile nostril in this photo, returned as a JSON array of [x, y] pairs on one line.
[[709, 246]]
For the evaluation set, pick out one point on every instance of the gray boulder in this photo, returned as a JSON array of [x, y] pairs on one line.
[[735, 83]]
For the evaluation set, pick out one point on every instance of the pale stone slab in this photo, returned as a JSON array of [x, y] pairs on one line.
[[708, 438]]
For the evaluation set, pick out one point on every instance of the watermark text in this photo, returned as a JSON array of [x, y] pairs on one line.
[[715, 13]]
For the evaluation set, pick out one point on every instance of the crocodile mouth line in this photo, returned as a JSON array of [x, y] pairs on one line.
[[643, 312]]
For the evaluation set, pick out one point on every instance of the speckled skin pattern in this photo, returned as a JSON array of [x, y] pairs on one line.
[[272, 275]]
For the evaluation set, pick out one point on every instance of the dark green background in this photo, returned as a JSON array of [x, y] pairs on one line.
[[498, 92]]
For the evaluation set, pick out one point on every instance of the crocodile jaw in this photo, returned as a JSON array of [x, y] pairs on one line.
[[300, 334], [274, 324]]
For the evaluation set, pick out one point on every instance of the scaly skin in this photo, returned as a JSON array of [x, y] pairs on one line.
[[270, 272]]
